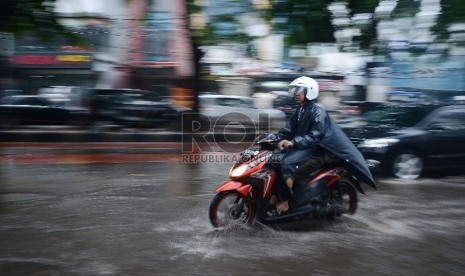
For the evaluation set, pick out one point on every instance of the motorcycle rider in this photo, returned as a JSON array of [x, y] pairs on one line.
[[312, 139]]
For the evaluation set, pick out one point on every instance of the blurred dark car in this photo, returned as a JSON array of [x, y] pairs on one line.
[[132, 108], [357, 108], [231, 111], [284, 102], [23, 110], [408, 140]]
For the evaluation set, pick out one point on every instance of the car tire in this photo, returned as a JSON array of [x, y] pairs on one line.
[[407, 165]]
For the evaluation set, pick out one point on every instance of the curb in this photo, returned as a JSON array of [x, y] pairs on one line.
[[89, 136]]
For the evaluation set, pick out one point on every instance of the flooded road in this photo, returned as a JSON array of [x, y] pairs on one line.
[[152, 219]]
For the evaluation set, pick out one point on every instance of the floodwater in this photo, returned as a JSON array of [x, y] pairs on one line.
[[152, 219]]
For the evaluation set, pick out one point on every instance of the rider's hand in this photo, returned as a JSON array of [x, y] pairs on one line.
[[285, 144]]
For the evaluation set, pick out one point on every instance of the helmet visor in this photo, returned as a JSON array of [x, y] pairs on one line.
[[293, 90]]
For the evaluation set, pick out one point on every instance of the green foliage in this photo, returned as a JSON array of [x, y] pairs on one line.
[[192, 7], [369, 34], [23, 17], [362, 6], [453, 11], [223, 26], [406, 8], [310, 21], [303, 21]]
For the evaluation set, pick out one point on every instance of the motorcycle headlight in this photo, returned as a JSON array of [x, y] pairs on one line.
[[378, 143], [238, 171]]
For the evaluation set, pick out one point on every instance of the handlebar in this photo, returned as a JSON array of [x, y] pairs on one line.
[[267, 138], [269, 142]]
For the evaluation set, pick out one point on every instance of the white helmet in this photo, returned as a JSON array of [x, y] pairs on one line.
[[304, 83]]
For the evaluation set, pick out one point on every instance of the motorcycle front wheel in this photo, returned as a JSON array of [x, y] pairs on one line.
[[229, 209]]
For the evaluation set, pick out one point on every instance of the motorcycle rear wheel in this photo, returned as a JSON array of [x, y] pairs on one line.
[[230, 209], [348, 199]]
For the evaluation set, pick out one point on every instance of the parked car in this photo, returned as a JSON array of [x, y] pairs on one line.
[[131, 108], [20, 110], [408, 140], [64, 95], [220, 111]]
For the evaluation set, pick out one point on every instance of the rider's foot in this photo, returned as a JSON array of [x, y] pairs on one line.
[[281, 208]]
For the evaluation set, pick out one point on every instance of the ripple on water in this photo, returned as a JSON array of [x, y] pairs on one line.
[[15, 197], [389, 227], [193, 237]]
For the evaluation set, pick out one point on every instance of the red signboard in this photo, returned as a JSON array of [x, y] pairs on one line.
[[56, 60]]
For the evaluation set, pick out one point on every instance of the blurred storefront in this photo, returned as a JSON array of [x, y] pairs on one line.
[[448, 74], [417, 79], [37, 63], [141, 44], [160, 56], [32, 70]]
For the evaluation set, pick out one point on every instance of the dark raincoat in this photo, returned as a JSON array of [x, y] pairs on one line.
[[311, 130]]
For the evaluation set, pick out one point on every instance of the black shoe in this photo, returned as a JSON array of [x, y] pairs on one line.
[[275, 212]]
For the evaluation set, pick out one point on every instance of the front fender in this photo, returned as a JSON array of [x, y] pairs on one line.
[[356, 183], [240, 187]]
